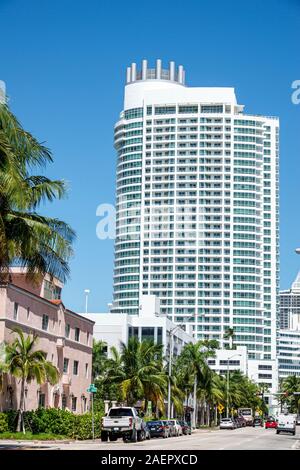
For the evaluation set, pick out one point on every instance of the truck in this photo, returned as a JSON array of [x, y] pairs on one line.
[[123, 422], [247, 414], [286, 423]]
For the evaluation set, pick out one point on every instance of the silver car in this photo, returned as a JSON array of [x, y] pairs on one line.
[[227, 423]]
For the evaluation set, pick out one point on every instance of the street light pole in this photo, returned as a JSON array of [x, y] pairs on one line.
[[93, 419], [170, 373], [86, 291], [172, 331], [227, 385]]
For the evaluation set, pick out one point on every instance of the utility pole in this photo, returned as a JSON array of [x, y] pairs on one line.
[[86, 291]]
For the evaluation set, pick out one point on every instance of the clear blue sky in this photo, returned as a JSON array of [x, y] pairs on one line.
[[64, 65]]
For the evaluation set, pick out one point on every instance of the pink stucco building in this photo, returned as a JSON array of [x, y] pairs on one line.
[[65, 336]]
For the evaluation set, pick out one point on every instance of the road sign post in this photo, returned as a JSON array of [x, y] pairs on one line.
[[92, 389]]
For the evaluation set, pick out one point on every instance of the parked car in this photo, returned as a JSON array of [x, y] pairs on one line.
[[145, 431], [243, 421], [158, 429], [177, 426], [257, 422], [121, 422], [169, 428], [237, 422], [286, 423], [227, 423], [298, 420], [186, 428], [271, 423]]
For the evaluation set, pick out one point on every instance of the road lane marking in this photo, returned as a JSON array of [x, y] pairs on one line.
[[296, 445]]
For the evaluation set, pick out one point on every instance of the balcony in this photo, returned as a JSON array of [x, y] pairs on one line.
[[60, 342], [66, 379]]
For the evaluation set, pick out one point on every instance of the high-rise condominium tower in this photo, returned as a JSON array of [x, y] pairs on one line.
[[197, 208]]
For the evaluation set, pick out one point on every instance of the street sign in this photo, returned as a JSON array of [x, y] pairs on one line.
[[92, 389], [220, 408]]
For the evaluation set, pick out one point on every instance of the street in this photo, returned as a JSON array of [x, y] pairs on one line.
[[239, 439]]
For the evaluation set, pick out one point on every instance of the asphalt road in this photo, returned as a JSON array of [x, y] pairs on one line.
[[238, 439]]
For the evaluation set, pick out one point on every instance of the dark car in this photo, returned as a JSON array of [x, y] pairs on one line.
[[257, 422], [186, 428], [237, 422], [242, 421], [158, 429], [146, 431]]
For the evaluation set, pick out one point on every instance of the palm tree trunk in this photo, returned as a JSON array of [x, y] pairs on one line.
[[208, 414], [21, 408], [195, 404]]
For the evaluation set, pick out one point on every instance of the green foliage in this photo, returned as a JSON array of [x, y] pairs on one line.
[[53, 422], [29, 436], [99, 358], [12, 419], [289, 386], [138, 371], [41, 244], [3, 423], [83, 429], [27, 364]]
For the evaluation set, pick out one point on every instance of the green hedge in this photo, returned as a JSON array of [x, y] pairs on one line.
[[53, 421], [3, 422]]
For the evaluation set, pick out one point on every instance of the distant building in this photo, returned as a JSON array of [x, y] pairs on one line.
[[64, 335], [288, 336], [233, 359], [288, 352], [116, 328], [289, 313]]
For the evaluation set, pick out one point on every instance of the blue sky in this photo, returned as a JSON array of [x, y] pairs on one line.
[[64, 65]]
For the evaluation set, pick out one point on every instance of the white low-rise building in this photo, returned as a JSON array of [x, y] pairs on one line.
[[116, 328], [232, 359]]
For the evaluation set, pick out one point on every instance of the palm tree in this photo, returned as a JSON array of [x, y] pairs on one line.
[[3, 364], [99, 358], [193, 357], [27, 364], [229, 334], [139, 372], [210, 393], [39, 243], [289, 386]]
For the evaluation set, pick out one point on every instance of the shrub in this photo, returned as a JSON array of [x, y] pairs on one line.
[[83, 429], [3, 422], [55, 422], [12, 420]]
